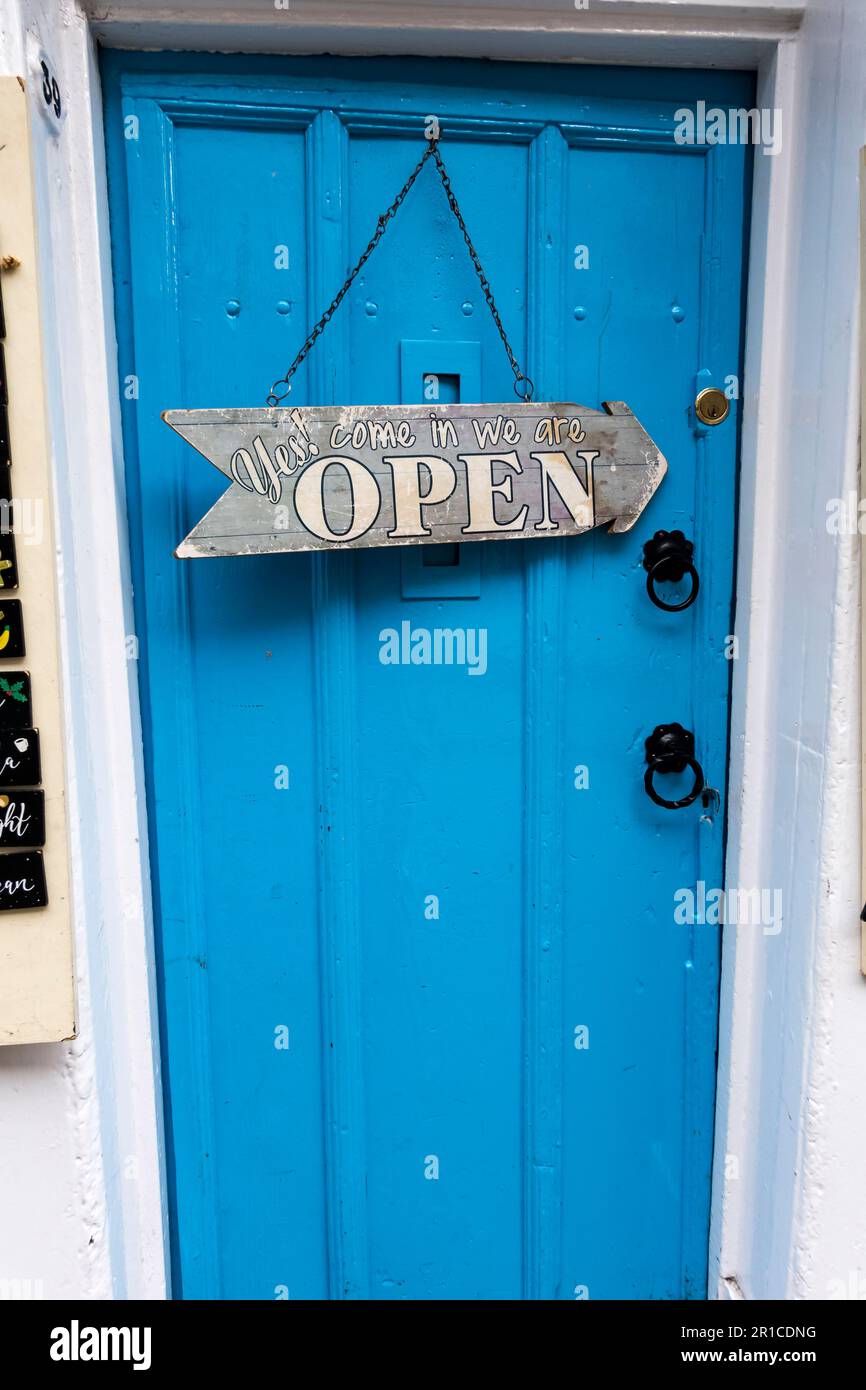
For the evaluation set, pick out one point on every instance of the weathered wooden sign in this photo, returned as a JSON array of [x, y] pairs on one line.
[[339, 477]]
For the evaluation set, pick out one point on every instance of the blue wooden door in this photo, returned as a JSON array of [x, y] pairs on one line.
[[430, 1026]]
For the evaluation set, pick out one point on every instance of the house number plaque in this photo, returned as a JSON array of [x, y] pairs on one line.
[[347, 477]]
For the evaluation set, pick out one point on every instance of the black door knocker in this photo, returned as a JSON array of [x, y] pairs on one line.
[[666, 558], [671, 748]]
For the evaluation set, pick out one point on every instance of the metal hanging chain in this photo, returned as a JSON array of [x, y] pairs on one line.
[[523, 386]]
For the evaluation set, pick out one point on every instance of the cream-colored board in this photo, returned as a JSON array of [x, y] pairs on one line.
[[37, 994]]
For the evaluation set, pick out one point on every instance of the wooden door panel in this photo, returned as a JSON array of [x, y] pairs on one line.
[[390, 914]]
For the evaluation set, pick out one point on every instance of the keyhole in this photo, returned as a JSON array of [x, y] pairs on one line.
[[712, 406]]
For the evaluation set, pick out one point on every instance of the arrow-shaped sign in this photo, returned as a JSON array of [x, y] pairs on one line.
[[340, 477]]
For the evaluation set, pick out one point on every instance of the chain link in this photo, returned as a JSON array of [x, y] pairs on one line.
[[523, 386]]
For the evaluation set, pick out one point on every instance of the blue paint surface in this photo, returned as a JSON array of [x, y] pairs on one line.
[[431, 1130]]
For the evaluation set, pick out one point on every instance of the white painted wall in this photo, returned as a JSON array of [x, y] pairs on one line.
[[793, 1056], [81, 1211], [81, 1205]]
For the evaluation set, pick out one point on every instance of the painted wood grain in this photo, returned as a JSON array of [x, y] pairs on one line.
[[322, 478]]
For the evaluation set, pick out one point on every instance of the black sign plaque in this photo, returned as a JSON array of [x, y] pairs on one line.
[[19, 758], [16, 709], [8, 561], [22, 881], [11, 628], [22, 820]]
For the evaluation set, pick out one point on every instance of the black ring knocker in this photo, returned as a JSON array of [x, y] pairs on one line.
[[671, 748], [666, 558]]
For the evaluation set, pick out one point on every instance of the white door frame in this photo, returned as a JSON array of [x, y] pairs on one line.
[[786, 999]]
